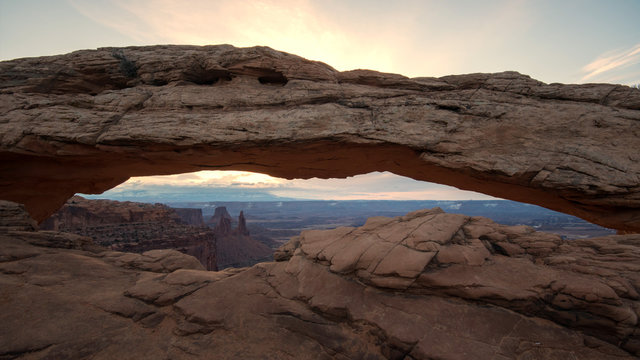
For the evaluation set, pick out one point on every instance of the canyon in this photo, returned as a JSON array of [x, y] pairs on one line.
[[140, 227], [424, 285], [137, 227]]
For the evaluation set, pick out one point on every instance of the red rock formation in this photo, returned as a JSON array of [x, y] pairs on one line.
[[591, 285], [223, 228], [235, 247], [427, 285], [242, 225], [190, 216], [423, 286], [135, 227], [15, 217], [87, 121], [220, 213], [79, 212]]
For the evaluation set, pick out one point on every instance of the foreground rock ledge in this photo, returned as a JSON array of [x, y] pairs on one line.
[[428, 285], [87, 121]]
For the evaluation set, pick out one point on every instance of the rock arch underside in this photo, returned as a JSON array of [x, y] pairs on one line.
[[421, 286], [87, 121]]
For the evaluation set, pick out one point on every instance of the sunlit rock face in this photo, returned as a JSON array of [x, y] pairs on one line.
[[87, 121], [428, 285]]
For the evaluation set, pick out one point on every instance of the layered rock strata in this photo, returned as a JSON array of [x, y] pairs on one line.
[[190, 216], [78, 213], [338, 294], [87, 121], [136, 227], [591, 285]]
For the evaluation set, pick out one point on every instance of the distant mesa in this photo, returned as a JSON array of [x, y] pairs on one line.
[[235, 246], [219, 214], [190, 216], [137, 227]]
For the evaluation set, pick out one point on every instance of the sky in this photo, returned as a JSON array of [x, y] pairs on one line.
[[246, 186], [569, 41]]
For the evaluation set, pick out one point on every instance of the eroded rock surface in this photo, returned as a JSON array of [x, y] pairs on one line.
[[87, 121], [590, 285], [137, 227], [234, 246], [15, 217], [336, 294]]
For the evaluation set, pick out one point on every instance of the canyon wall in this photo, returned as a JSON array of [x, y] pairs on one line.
[[88, 120], [139, 227], [136, 227], [190, 216]]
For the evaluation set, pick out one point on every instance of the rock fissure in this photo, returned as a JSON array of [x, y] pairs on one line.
[[604, 98], [13, 354], [115, 119], [381, 336]]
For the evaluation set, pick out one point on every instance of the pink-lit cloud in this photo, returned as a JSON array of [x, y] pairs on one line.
[[413, 38], [296, 26], [372, 186], [607, 66]]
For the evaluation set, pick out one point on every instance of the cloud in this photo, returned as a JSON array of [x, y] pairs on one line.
[[297, 26], [171, 193], [213, 185], [203, 179], [414, 38], [609, 67]]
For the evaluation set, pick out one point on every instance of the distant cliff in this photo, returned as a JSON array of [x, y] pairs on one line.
[[137, 227], [190, 216], [235, 247], [79, 212]]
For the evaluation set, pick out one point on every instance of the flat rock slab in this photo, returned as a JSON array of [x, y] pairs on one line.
[[591, 285], [64, 298]]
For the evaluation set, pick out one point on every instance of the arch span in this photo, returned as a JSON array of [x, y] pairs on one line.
[[87, 121]]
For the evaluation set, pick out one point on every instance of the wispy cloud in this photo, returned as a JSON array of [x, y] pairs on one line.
[[212, 179], [612, 65], [297, 26], [214, 185], [414, 38]]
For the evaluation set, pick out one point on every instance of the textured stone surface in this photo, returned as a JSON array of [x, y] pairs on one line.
[[86, 121], [63, 297], [137, 227], [591, 285], [190, 216], [14, 217]]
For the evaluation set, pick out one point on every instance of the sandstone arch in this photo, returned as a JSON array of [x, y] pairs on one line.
[[87, 121]]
